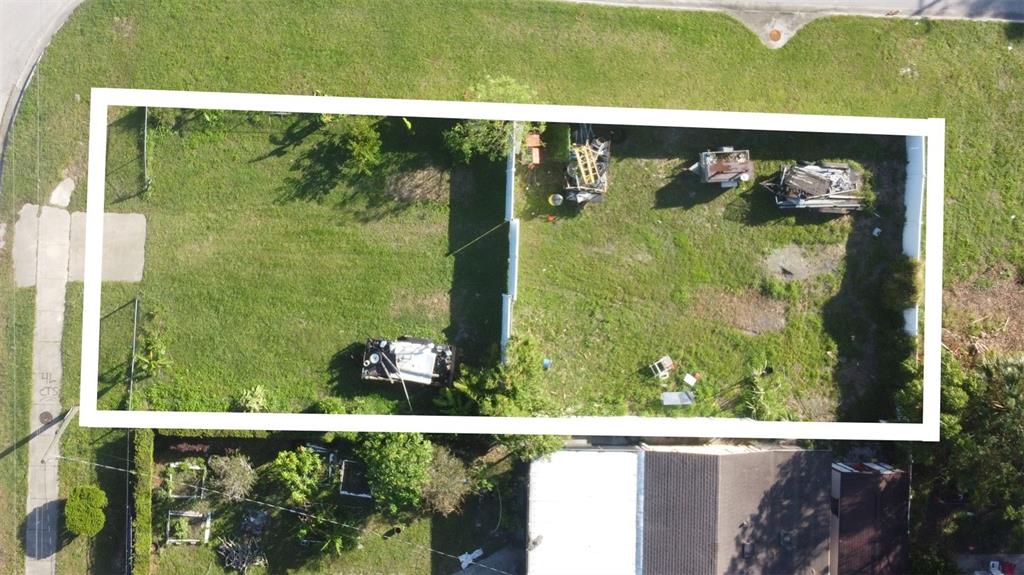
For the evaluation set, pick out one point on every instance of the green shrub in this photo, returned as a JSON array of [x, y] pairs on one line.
[[449, 483], [397, 469], [233, 476], [556, 143], [362, 143], [253, 400], [83, 511], [179, 528], [205, 433], [902, 285], [299, 472], [142, 524]]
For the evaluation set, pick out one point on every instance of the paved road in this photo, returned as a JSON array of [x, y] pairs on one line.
[[975, 9], [776, 21], [26, 27]]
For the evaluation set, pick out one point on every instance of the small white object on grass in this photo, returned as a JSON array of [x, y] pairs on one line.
[[877, 232], [466, 559], [689, 380]]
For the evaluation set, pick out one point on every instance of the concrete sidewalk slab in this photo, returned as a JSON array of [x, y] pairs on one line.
[[49, 325], [124, 247], [61, 195], [23, 252]]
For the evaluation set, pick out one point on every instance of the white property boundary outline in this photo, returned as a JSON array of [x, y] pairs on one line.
[[932, 130]]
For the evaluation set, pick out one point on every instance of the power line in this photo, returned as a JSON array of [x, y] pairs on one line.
[[300, 513]]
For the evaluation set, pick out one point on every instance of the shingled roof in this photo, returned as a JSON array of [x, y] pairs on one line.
[[742, 511]]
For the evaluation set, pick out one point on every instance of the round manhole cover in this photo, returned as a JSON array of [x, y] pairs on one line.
[[45, 417], [775, 35]]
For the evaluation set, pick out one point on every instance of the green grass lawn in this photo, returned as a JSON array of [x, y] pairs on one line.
[[265, 265], [667, 265], [961, 71]]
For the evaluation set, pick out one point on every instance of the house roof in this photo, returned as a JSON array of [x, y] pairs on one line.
[[730, 511], [680, 511], [583, 513], [871, 535]]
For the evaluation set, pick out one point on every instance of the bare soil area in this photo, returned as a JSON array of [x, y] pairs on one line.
[[985, 314], [426, 184], [792, 262], [749, 312]]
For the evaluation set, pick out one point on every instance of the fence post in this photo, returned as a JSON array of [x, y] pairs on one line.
[[145, 150], [131, 361]]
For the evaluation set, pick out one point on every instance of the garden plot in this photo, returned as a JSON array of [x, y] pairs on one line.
[[777, 311], [272, 257]]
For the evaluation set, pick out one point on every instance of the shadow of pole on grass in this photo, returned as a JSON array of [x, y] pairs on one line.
[[479, 274]]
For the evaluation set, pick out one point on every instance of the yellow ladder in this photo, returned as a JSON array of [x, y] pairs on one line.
[[587, 163]]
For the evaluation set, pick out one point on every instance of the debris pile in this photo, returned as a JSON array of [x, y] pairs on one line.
[[724, 166], [586, 174], [409, 360], [827, 187]]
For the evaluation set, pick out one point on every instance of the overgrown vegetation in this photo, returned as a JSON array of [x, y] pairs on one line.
[[968, 485], [233, 476], [142, 501], [398, 469], [298, 473], [510, 389], [490, 138]]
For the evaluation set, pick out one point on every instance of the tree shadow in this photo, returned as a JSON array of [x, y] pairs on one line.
[[37, 541], [319, 174], [292, 137], [1014, 31], [478, 525], [871, 344], [789, 531], [479, 247]]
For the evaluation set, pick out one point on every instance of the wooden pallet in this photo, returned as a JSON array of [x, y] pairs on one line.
[[586, 162]]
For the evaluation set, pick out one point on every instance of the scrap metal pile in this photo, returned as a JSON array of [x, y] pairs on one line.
[[409, 360], [586, 174], [827, 187], [725, 166]]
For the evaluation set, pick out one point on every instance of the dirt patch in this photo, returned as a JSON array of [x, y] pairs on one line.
[[985, 314], [792, 262], [123, 26], [427, 184], [462, 185], [749, 311]]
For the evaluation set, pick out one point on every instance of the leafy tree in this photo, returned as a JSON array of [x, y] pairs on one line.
[[449, 483], [978, 459], [233, 476], [488, 138], [986, 455], [299, 472], [397, 469], [83, 511], [513, 389]]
